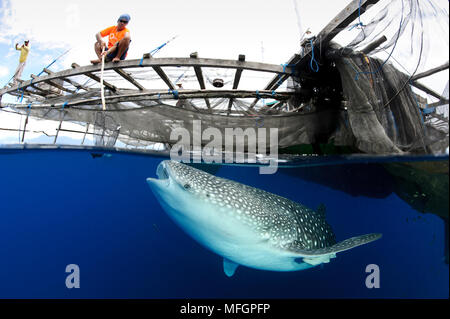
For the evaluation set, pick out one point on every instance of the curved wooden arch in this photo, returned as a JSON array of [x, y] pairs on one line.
[[282, 72], [155, 63], [167, 95]]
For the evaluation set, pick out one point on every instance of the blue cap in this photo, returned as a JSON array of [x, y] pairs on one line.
[[124, 17]]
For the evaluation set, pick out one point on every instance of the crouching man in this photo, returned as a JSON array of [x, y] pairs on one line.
[[118, 41]]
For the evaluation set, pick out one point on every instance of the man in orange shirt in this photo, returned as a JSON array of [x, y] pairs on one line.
[[118, 41]]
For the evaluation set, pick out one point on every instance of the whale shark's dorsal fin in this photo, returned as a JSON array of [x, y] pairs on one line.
[[317, 256], [229, 267]]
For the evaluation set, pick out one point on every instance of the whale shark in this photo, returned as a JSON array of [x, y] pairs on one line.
[[246, 225]]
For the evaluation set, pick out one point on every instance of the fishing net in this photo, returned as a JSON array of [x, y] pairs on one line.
[[381, 111], [359, 91], [154, 121]]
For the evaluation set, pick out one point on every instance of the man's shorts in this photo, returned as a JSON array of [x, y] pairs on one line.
[[111, 56]]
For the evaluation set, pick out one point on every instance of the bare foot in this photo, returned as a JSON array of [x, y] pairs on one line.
[[97, 61], [116, 59]]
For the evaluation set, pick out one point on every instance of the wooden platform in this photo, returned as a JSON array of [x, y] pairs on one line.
[[32, 90], [32, 87], [50, 85]]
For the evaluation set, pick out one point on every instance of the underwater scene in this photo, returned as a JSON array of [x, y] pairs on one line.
[[98, 213]]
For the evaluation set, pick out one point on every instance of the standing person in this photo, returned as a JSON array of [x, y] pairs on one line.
[[118, 41], [24, 50]]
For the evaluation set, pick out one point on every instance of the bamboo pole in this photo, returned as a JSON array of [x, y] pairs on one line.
[[101, 83]]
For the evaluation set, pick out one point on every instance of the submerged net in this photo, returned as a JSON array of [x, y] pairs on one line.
[[347, 95], [106, 129]]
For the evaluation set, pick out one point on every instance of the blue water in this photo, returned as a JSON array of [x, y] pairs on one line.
[[60, 207]]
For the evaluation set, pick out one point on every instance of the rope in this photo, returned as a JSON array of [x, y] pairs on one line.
[[175, 93], [102, 92], [10, 79], [60, 122], [390, 54], [54, 61], [26, 122], [359, 24], [21, 97], [181, 76], [279, 75], [313, 63], [284, 70], [421, 111], [410, 78], [155, 50], [23, 91], [84, 136]]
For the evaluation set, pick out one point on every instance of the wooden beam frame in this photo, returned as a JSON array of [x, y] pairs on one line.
[[148, 95], [199, 75], [429, 91], [438, 103], [26, 91], [158, 63], [95, 78], [164, 77], [43, 93], [56, 85], [339, 22], [375, 44], [430, 72], [237, 78], [71, 82], [129, 78]]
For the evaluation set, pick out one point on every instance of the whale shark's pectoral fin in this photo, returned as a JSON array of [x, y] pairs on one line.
[[323, 255], [229, 267], [316, 260]]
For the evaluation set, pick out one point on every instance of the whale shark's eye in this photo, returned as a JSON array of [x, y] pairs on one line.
[[187, 186]]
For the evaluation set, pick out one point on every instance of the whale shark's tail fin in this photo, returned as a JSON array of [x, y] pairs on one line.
[[322, 255]]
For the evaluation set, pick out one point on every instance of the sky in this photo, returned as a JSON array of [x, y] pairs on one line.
[[265, 31]]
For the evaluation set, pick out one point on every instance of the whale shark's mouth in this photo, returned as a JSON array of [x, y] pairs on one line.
[[163, 176], [161, 171]]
